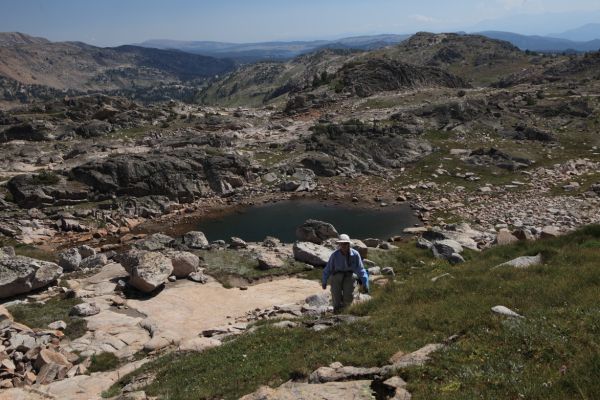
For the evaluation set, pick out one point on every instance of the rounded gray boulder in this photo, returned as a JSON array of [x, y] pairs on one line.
[[20, 275], [315, 231], [147, 270]]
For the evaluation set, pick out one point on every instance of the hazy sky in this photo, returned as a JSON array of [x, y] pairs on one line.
[[114, 22]]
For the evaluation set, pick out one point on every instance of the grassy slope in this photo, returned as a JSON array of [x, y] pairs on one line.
[[554, 353], [38, 315]]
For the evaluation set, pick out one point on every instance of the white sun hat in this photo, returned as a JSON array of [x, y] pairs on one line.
[[344, 239]]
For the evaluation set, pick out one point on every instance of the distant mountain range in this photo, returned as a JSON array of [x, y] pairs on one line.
[[583, 39], [544, 43], [584, 33], [79, 66], [251, 52], [282, 51]]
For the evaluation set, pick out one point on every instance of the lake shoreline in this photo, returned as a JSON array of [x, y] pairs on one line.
[[176, 224]]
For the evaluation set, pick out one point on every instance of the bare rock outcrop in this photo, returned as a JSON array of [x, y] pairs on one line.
[[46, 189], [362, 146], [380, 74], [181, 175]]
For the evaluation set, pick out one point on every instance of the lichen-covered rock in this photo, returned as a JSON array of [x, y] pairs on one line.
[[195, 240], [85, 310], [69, 260], [147, 270], [20, 275], [184, 263], [96, 261], [86, 251]]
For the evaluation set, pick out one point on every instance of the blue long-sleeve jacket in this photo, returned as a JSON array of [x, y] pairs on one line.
[[339, 263]]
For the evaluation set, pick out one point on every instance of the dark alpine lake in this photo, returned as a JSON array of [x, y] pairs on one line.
[[281, 219]]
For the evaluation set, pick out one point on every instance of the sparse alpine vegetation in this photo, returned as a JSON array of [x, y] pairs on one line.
[[548, 354]]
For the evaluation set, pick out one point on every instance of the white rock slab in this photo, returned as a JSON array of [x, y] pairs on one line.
[[506, 311], [202, 307], [522, 262]]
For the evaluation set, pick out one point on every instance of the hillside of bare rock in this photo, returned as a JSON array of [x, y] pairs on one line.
[[471, 58], [81, 67]]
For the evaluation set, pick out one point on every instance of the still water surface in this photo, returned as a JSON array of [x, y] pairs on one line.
[[281, 219]]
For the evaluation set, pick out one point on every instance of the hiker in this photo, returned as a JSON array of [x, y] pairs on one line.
[[341, 265]]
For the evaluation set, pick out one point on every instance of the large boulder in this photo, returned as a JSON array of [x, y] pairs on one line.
[[20, 275], [361, 247], [237, 243], [184, 263], [504, 237], [337, 372], [315, 231], [311, 253], [50, 366], [550, 232], [195, 240], [303, 180], [531, 133], [446, 249], [463, 234], [86, 251], [7, 251], [97, 261], [147, 270], [269, 260], [70, 260]]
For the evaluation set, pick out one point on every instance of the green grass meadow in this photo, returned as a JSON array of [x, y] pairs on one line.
[[552, 353]]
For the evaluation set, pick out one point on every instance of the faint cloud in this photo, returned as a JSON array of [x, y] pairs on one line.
[[423, 18], [527, 5]]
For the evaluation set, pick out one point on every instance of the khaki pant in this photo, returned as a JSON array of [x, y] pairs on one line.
[[342, 290]]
